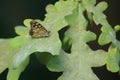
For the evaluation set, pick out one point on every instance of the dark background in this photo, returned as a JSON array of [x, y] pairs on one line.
[[13, 12]]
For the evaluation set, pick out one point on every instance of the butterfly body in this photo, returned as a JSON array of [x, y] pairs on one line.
[[37, 30]]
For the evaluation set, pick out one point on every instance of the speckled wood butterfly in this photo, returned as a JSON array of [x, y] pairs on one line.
[[37, 30]]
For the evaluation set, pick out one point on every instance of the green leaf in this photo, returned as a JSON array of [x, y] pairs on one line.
[[15, 52], [81, 59], [27, 22], [104, 37], [90, 17], [28, 45], [77, 17], [89, 5], [113, 59], [102, 6], [21, 30], [117, 28], [6, 54], [56, 13], [75, 65], [43, 57], [24, 45], [18, 41], [6, 57], [13, 74], [108, 35], [98, 16]]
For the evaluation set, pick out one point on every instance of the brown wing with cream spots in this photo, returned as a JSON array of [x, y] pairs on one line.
[[37, 30]]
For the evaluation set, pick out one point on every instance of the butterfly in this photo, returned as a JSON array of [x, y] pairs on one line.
[[37, 30]]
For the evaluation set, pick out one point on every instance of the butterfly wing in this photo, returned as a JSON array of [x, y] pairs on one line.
[[37, 30]]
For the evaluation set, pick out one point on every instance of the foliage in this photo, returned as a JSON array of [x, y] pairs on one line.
[[15, 52]]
